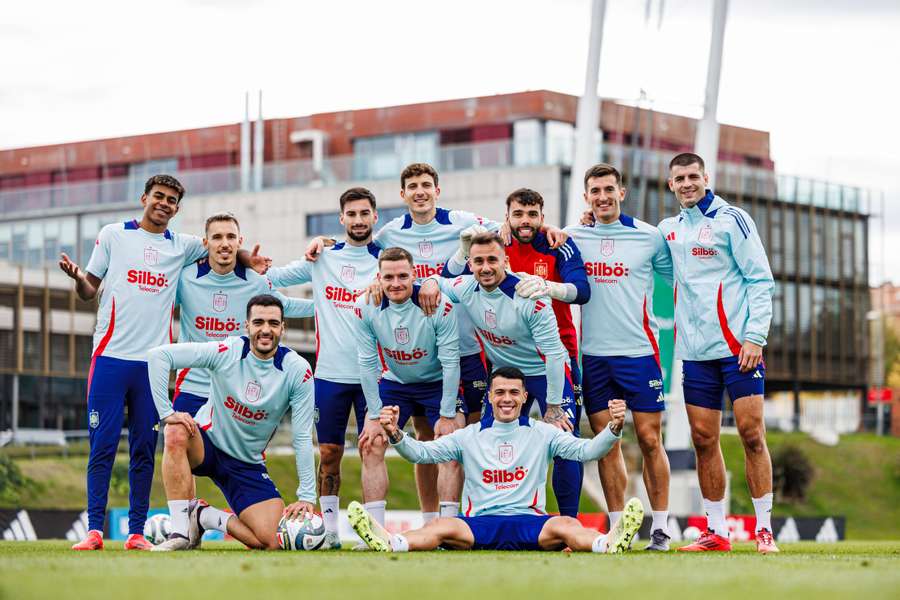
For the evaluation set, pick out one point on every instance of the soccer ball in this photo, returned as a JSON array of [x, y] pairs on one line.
[[157, 528], [296, 534]]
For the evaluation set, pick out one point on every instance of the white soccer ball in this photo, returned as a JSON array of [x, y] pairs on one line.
[[691, 534], [157, 528], [301, 534]]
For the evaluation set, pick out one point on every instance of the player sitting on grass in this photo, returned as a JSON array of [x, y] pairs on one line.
[[505, 459], [254, 381]]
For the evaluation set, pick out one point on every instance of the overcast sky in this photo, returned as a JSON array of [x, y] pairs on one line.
[[819, 75]]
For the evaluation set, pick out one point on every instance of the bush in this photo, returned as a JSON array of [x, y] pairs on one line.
[[792, 472], [13, 484]]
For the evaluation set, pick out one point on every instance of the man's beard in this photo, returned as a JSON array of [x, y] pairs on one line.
[[359, 237]]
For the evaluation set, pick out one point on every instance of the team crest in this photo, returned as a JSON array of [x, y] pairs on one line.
[[490, 319], [252, 393], [542, 269], [220, 302], [607, 246], [505, 453], [151, 256], [426, 249], [94, 419], [705, 236], [348, 273], [401, 334]]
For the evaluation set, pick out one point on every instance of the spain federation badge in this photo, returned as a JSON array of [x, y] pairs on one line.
[[348, 273], [426, 249], [607, 246], [706, 236], [253, 392], [151, 256], [542, 269], [490, 319], [505, 453], [220, 302], [401, 334]]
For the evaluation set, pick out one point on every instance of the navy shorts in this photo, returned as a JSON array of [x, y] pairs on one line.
[[243, 484], [705, 380], [419, 399], [187, 402], [333, 403], [506, 532], [638, 381], [472, 383]]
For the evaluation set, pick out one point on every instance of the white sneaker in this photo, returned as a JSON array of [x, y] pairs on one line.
[[374, 535], [175, 542], [622, 532]]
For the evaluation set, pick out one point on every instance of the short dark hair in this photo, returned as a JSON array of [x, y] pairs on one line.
[[686, 159], [416, 169], [525, 197], [602, 170], [221, 217], [265, 300], [357, 193], [488, 237], [166, 180], [507, 373], [395, 254]]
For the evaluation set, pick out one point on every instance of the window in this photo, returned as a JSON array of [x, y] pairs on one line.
[[803, 238], [385, 156], [528, 142], [818, 244], [790, 247]]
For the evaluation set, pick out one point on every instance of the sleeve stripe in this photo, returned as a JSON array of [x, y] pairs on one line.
[[739, 218], [566, 251]]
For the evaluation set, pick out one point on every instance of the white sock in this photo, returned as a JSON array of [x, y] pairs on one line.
[[599, 544], [213, 518], [763, 508], [715, 516], [330, 512], [399, 543], [376, 509], [178, 514], [449, 509], [428, 517], [613, 517], [660, 521]]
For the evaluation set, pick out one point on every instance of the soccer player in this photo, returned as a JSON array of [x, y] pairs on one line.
[[213, 295], [620, 352], [339, 276], [520, 332], [722, 313], [254, 381], [139, 263], [505, 460], [420, 354]]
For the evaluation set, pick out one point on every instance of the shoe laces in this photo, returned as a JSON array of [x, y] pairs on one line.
[[659, 536], [764, 536]]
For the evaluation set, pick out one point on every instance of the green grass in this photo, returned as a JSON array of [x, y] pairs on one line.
[[859, 478], [224, 571]]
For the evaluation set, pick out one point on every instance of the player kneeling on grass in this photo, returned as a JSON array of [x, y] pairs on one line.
[[505, 459], [254, 381]]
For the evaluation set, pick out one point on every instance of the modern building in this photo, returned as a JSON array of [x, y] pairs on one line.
[[56, 198]]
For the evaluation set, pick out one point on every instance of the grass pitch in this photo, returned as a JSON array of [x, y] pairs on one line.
[[224, 571]]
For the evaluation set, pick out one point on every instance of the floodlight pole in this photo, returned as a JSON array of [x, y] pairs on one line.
[[587, 120], [706, 142], [245, 145]]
